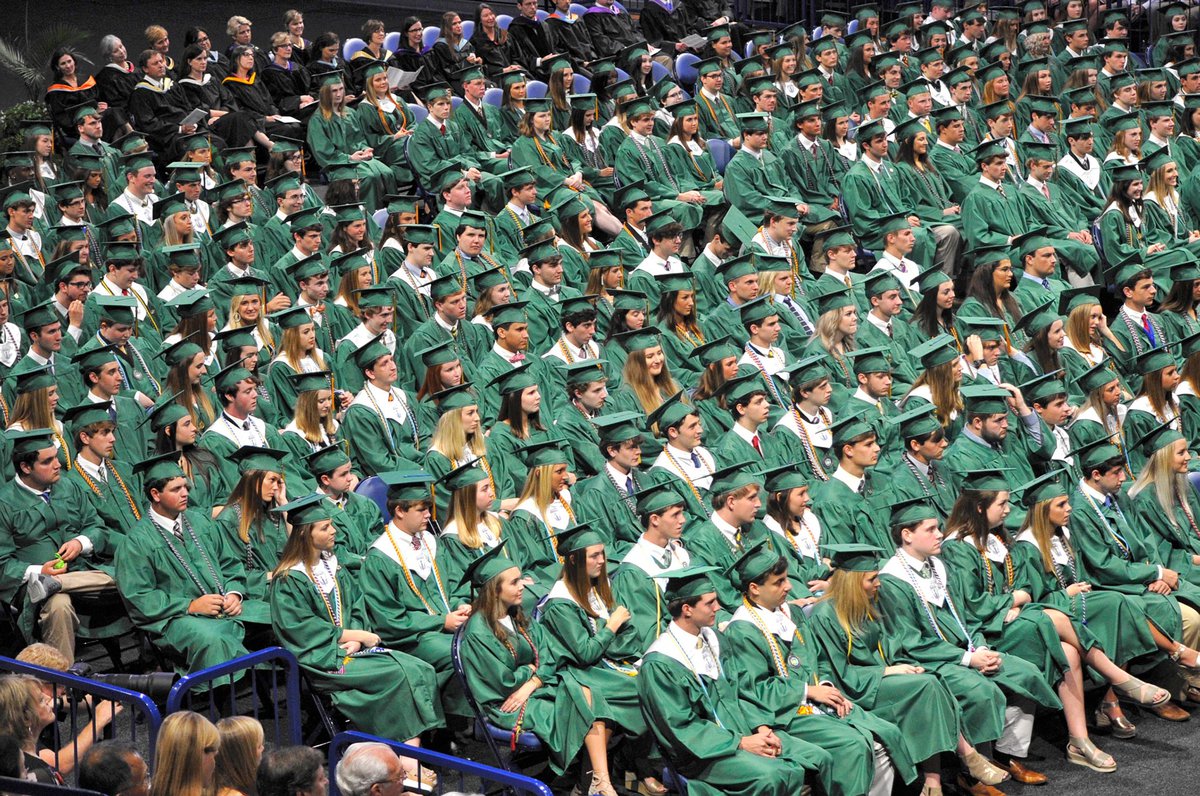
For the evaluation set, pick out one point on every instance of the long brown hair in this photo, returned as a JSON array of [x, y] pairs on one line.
[[298, 550], [179, 755], [575, 578], [486, 605], [192, 397], [465, 515], [968, 518], [238, 757], [650, 391], [1037, 522], [247, 494], [943, 389]]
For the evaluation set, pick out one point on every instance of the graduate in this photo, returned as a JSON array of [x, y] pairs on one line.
[[591, 636], [181, 577], [248, 519], [108, 485], [314, 423], [458, 438], [320, 617], [508, 668], [927, 620], [100, 372], [518, 423], [608, 500], [844, 502], [919, 474], [587, 393], [381, 426], [733, 527], [797, 531], [409, 598], [684, 463], [642, 575], [237, 427], [804, 430], [543, 509], [770, 653], [693, 707]]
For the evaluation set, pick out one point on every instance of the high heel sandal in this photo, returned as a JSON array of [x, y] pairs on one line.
[[983, 770], [652, 787], [1177, 657], [1082, 752], [1118, 726], [601, 787], [1142, 693]]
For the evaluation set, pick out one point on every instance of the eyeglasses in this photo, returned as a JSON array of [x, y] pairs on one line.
[[83, 284]]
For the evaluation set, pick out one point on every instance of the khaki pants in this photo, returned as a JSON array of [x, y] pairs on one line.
[[59, 620]]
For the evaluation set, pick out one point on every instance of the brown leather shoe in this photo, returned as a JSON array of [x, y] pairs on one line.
[[1022, 773], [1169, 711], [977, 788]]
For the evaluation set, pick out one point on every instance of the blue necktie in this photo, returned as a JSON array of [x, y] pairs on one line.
[[46, 497], [695, 459]]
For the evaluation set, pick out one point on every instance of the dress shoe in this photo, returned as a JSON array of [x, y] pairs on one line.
[[977, 788], [1022, 773], [1170, 712]]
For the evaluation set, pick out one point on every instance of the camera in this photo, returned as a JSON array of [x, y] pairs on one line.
[[156, 685]]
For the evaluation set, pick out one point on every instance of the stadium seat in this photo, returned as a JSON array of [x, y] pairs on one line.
[[658, 71], [581, 85], [576, 8], [1099, 244], [685, 68], [493, 96], [418, 111], [380, 217], [468, 29], [429, 36], [374, 488], [503, 20], [352, 46], [852, 28], [455, 101], [484, 730], [542, 14], [721, 153], [535, 89], [392, 41], [621, 75]]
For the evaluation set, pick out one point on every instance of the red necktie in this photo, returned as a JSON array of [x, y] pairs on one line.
[[757, 447], [124, 291], [442, 129], [1149, 329]]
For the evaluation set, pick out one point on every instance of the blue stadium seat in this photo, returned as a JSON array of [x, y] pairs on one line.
[[685, 68], [576, 8], [581, 85], [429, 36], [418, 111], [542, 14], [468, 29], [503, 20], [352, 46], [392, 41], [374, 488], [658, 71], [493, 96], [535, 89], [1099, 244], [721, 153]]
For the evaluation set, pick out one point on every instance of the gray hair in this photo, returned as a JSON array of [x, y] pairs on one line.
[[361, 767], [109, 44]]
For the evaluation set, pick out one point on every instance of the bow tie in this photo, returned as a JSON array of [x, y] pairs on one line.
[[515, 358]]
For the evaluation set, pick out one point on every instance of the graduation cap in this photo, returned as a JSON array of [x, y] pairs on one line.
[[492, 277], [743, 386], [64, 268], [116, 309], [639, 339], [716, 351], [250, 458], [869, 130], [163, 467], [35, 379], [179, 352], [810, 371], [880, 281], [13, 195], [985, 399], [460, 396], [670, 413], [519, 378], [876, 359], [1127, 272], [311, 382], [234, 338], [757, 560], [370, 352], [754, 122], [464, 476], [1049, 486], [907, 513], [482, 570], [1042, 389], [689, 583], [832, 297], [1157, 438], [306, 510], [39, 315], [657, 498], [505, 314], [850, 427], [578, 537], [917, 422], [837, 236], [326, 460], [408, 485], [228, 378], [192, 303], [784, 477], [1154, 359], [441, 353], [854, 557], [936, 351], [543, 453], [990, 480], [340, 170], [586, 371]]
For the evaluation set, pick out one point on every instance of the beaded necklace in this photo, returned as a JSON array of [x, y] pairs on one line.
[[990, 577], [694, 339], [183, 561], [777, 659], [256, 438], [408, 578], [701, 643], [408, 416], [686, 480], [620, 491], [137, 515], [412, 281], [1122, 543], [1187, 512], [750, 352], [62, 446], [806, 441], [513, 651], [911, 574], [562, 157], [659, 156], [334, 609], [787, 530], [1061, 545]]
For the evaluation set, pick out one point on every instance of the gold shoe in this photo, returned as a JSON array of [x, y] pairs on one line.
[[1119, 726], [601, 787], [1082, 752], [984, 770]]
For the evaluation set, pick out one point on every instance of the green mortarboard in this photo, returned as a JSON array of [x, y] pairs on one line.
[[618, 427], [586, 371], [291, 318], [122, 252], [848, 427], [304, 218], [407, 485], [116, 309], [909, 129], [251, 458], [285, 146], [985, 399], [956, 76], [402, 203], [64, 268], [460, 396], [1188, 66], [1045, 487], [343, 170], [492, 277], [736, 229], [1189, 346], [248, 285], [834, 297], [445, 286], [136, 161], [35, 379], [742, 387], [436, 91], [907, 513], [464, 75], [1128, 271], [232, 235], [1072, 298], [179, 352], [753, 122], [1030, 241], [235, 338], [191, 303], [756, 561], [64, 192], [1157, 159], [463, 476], [326, 460], [440, 353], [183, 255], [917, 422], [39, 315], [15, 194], [990, 480], [931, 278], [1154, 359], [350, 261], [307, 268], [630, 194], [514, 78], [657, 499], [1094, 454], [670, 413], [871, 360], [880, 281], [1158, 438], [370, 352], [491, 564], [810, 370], [936, 351], [605, 258], [162, 467], [228, 378], [25, 442], [544, 453], [715, 351], [854, 557], [987, 150], [868, 130], [512, 312], [734, 477], [576, 538], [347, 213], [519, 378], [1038, 318], [1097, 377], [689, 583], [540, 252], [990, 330], [990, 255], [708, 66], [375, 296], [770, 263], [836, 236], [834, 110], [758, 310], [1042, 388], [311, 382], [95, 357], [82, 111], [1120, 123], [784, 477], [279, 186], [539, 105], [306, 510]]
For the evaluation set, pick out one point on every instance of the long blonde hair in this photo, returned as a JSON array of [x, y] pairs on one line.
[[32, 410], [466, 517], [539, 487], [261, 325], [943, 389], [309, 420], [831, 337], [650, 391], [18, 707], [291, 350], [1037, 521], [1079, 334], [1170, 488], [238, 757], [851, 604], [179, 756], [450, 438], [247, 494]]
